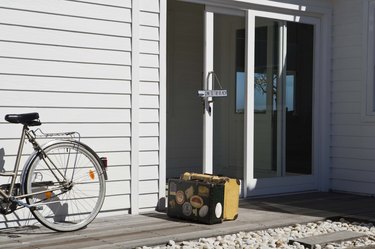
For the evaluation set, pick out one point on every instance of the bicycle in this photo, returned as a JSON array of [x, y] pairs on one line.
[[62, 181]]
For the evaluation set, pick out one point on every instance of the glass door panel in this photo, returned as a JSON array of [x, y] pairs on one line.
[[266, 84], [283, 86], [229, 42], [298, 101]]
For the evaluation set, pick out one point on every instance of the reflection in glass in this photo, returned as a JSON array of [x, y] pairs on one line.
[[266, 84], [282, 97]]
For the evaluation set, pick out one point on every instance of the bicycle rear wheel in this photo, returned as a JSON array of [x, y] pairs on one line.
[[67, 186]]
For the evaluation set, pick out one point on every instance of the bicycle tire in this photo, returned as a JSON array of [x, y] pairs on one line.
[[74, 207]]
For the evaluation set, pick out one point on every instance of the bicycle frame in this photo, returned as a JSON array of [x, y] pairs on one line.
[[13, 174]]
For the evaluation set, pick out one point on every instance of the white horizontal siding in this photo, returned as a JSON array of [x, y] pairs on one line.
[[63, 69], [149, 172], [149, 47], [148, 200], [148, 158], [149, 102], [16, 17], [149, 19], [149, 5], [149, 60], [59, 38], [114, 3], [88, 130], [352, 143], [64, 54], [56, 84], [146, 185], [149, 115], [71, 62], [77, 8], [149, 88], [149, 130], [74, 115], [53, 99]]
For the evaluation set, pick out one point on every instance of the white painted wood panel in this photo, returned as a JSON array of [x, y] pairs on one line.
[[149, 33], [149, 88], [148, 200], [147, 115], [347, 51], [32, 51], [118, 162], [117, 158], [74, 8], [36, 99], [347, 163], [148, 129], [346, 119], [345, 18], [151, 47], [63, 69], [349, 108], [347, 74], [346, 86], [349, 96], [55, 84], [118, 173], [353, 153], [86, 130], [117, 187], [71, 61], [352, 143], [54, 37], [358, 142], [147, 186], [97, 144], [116, 202], [118, 3], [148, 158], [148, 143], [72, 115], [356, 175], [354, 130], [149, 101], [64, 23], [108, 144], [149, 172], [149, 19], [359, 187], [149, 60], [149, 74], [149, 5]]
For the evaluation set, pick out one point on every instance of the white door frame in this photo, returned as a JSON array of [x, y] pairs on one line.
[[284, 184], [319, 180], [208, 64]]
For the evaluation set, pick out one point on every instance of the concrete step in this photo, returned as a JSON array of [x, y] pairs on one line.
[[324, 239]]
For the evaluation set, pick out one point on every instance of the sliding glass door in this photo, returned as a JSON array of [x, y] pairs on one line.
[[281, 59]]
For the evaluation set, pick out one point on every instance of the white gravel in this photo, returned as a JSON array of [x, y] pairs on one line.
[[279, 237]]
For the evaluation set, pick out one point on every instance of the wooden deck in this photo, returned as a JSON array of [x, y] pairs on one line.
[[154, 228]]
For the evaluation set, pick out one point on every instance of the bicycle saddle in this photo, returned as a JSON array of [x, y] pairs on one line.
[[29, 119]]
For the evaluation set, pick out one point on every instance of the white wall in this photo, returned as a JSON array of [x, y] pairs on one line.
[[72, 62], [353, 140]]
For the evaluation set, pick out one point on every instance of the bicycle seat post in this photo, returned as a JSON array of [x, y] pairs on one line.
[[18, 158]]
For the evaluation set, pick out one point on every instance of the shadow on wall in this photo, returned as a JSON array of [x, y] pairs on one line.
[[2, 161]]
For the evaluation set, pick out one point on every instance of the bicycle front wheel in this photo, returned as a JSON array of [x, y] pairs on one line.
[[67, 186]]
